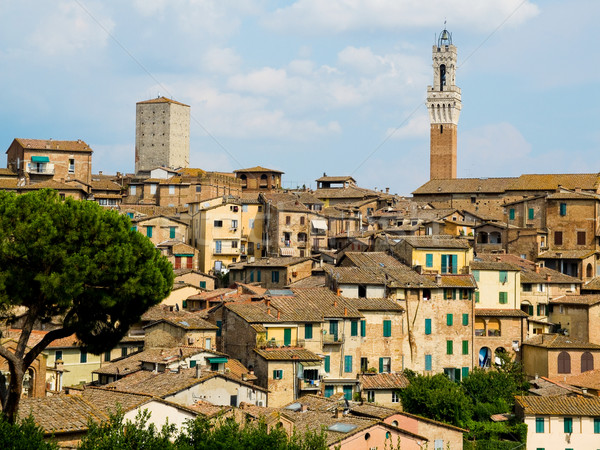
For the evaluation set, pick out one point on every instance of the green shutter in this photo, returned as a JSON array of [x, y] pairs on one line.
[[171, 232], [465, 347], [503, 276], [428, 362], [453, 294], [449, 319], [476, 296], [203, 284], [354, 328], [530, 214], [568, 425], [476, 275], [429, 260], [287, 337], [348, 363], [563, 209], [380, 365], [219, 328], [258, 275], [465, 319], [444, 263], [387, 328], [449, 347], [465, 372], [427, 326], [308, 331], [511, 214], [327, 363], [539, 424], [363, 328], [530, 309], [454, 263], [184, 303], [596, 425], [149, 231], [503, 297], [192, 363]]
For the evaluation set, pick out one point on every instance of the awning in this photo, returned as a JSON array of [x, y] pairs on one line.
[[40, 159], [319, 224], [286, 251], [188, 255], [310, 363], [217, 360]]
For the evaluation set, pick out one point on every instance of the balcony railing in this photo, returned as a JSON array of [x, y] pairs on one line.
[[309, 385], [273, 343], [332, 339], [41, 169]]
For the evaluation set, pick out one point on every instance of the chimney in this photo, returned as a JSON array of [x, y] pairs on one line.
[[537, 268], [438, 278], [498, 259], [345, 311], [303, 408], [335, 303], [338, 292], [387, 190], [339, 413], [267, 302], [198, 371], [269, 311], [548, 277], [278, 315]]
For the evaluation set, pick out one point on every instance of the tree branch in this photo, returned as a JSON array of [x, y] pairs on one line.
[[45, 342], [8, 355]]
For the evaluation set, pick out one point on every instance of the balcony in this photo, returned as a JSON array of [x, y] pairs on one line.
[[226, 251], [332, 339], [40, 168], [272, 343], [309, 385]]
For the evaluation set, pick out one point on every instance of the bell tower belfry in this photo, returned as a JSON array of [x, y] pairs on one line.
[[443, 103]]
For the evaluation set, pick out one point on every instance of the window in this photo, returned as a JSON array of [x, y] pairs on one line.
[[465, 372], [278, 374], [107, 356], [308, 331], [288, 220], [449, 294], [275, 276], [539, 424], [244, 208], [208, 343], [449, 348], [153, 187], [526, 287], [465, 347], [132, 190], [564, 362], [476, 296], [198, 188], [219, 328], [218, 223], [149, 231], [364, 364], [387, 328], [568, 424], [562, 209], [83, 356], [581, 238], [123, 351], [385, 365], [558, 238], [71, 165], [465, 319], [363, 328], [511, 214], [395, 397], [251, 276], [370, 396], [428, 362], [587, 362], [476, 275], [258, 275], [427, 326], [203, 284], [251, 223], [449, 319], [503, 276], [530, 213], [503, 298], [218, 246], [171, 189], [234, 244], [429, 260], [58, 355], [171, 232], [449, 263], [354, 328], [302, 220], [596, 425], [234, 223], [348, 363], [327, 363]]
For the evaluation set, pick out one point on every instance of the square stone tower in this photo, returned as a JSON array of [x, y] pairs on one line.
[[444, 104], [162, 135]]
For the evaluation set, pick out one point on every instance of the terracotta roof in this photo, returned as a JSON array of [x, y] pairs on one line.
[[6, 172], [451, 281], [465, 185], [237, 369], [309, 282], [382, 412], [61, 413], [107, 400], [133, 362], [436, 242], [161, 100], [383, 381], [334, 179], [53, 184], [493, 265], [181, 319], [490, 312], [257, 169], [545, 387], [374, 304], [559, 405], [43, 144], [558, 341], [287, 354], [586, 299], [566, 254], [589, 379], [105, 185], [550, 182], [284, 261], [529, 272], [191, 172], [372, 259], [207, 409], [350, 192], [572, 196], [592, 285]]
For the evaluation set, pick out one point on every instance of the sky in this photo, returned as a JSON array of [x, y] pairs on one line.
[[309, 86]]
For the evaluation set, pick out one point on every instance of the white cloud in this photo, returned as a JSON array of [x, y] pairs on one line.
[[221, 60], [416, 127], [337, 16], [68, 29]]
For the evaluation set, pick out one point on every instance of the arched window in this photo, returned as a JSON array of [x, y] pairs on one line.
[[263, 180], [442, 76], [589, 271], [587, 362], [479, 327], [564, 362], [493, 328], [485, 357], [244, 179]]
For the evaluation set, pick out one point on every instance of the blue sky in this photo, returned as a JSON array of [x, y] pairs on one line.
[[309, 86]]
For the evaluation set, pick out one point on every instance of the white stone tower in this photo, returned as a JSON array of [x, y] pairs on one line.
[[162, 135], [443, 103]]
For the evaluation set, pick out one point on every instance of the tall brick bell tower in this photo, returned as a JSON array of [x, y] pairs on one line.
[[443, 103]]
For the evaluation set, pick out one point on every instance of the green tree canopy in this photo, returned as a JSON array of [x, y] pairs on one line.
[[77, 261]]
